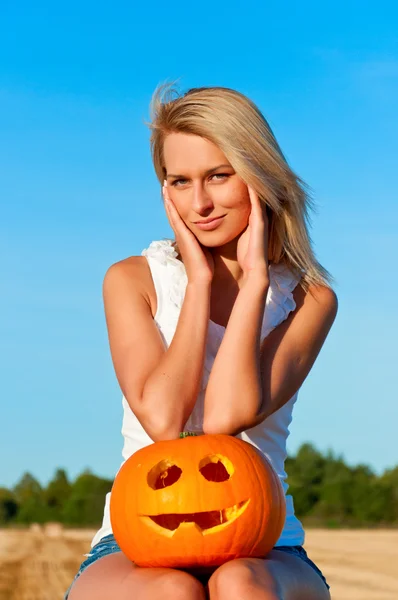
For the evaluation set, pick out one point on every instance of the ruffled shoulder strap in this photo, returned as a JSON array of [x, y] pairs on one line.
[[162, 250], [175, 281], [280, 301]]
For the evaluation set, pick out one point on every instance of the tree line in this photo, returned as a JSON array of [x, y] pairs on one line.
[[326, 492]]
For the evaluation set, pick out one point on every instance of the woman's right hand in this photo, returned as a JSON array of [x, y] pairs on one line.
[[197, 259]]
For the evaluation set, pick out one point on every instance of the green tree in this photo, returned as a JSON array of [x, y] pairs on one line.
[[85, 505], [333, 505], [305, 476], [368, 499], [56, 495], [389, 486], [8, 506], [29, 495]]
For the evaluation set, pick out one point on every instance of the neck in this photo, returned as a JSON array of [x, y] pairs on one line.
[[227, 270]]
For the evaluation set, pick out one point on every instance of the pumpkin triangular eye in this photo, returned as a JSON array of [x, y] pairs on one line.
[[164, 474], [215, 467]]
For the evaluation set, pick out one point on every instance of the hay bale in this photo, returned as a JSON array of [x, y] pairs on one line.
[[54, 530], [36, 529]]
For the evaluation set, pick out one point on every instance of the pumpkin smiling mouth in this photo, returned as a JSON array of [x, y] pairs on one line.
[[205, 522]]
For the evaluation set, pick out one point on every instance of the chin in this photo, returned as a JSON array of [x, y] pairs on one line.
[[215, 239]]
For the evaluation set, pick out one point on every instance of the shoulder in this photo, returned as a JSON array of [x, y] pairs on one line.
[[132, 272], [134, 267], [289, 290], [322, 296], [319, 302]]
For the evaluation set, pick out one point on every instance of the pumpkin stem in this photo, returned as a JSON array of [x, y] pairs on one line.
[[184, 434]]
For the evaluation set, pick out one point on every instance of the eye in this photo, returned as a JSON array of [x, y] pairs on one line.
[[164, 474], [216, 467], [223, 175], [219, 176]]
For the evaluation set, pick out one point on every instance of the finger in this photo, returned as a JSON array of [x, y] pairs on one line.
[[165, 190], [254, 199], [175, 218], [257, 208], [171, 209], [169, 212], [166, 199]]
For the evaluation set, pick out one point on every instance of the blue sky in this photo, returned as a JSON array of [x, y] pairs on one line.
[[78, 192]]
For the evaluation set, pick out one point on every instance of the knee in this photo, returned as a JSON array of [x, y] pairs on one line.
[[178, 585], [242, 578]]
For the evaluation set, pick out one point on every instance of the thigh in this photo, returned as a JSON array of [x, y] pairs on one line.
[[279, 575], [298, 579], [115, 576]]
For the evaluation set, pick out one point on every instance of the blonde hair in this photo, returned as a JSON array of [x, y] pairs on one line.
[[234, 123]]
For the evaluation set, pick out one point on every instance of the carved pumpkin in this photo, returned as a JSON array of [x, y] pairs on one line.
[[194, 502]]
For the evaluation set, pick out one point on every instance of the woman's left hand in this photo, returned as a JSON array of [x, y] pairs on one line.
[[252, 248]]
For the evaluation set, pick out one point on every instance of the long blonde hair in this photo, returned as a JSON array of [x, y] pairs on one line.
[[234, 123]]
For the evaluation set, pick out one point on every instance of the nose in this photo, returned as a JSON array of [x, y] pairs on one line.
[[202, 203]]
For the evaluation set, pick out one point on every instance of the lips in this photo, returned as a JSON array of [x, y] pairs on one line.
[[208, 220], [213, 224], [205, 522]]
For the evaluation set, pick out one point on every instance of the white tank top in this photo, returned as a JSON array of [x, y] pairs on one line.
[[170, 280]]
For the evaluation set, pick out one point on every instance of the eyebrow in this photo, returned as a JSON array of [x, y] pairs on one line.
[[206, 172]]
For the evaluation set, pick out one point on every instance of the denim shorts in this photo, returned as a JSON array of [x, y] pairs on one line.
[[301, 553], [108, 545]]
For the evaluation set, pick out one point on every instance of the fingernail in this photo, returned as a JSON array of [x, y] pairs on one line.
[[165, 183]]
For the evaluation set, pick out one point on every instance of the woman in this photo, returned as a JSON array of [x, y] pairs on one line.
[[215, 331]]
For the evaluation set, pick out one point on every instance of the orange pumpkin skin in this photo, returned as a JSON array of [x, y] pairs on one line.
[[196, 502]]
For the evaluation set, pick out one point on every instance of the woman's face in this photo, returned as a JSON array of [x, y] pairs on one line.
[[202, 184]]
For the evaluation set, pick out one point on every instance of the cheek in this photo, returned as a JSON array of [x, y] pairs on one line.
[[236, 196], [240, 205], [243, 217], [182, 208]]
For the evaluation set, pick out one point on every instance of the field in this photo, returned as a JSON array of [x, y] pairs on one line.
[[39, 564]]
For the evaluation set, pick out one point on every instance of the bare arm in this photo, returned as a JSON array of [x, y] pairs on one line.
[[161, 385], [234, 390], [289, 352], [264, 379]]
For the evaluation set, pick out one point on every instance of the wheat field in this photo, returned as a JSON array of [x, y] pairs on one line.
[[40, 563]]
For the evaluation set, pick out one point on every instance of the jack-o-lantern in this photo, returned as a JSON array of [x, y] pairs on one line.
[[197, 501]]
